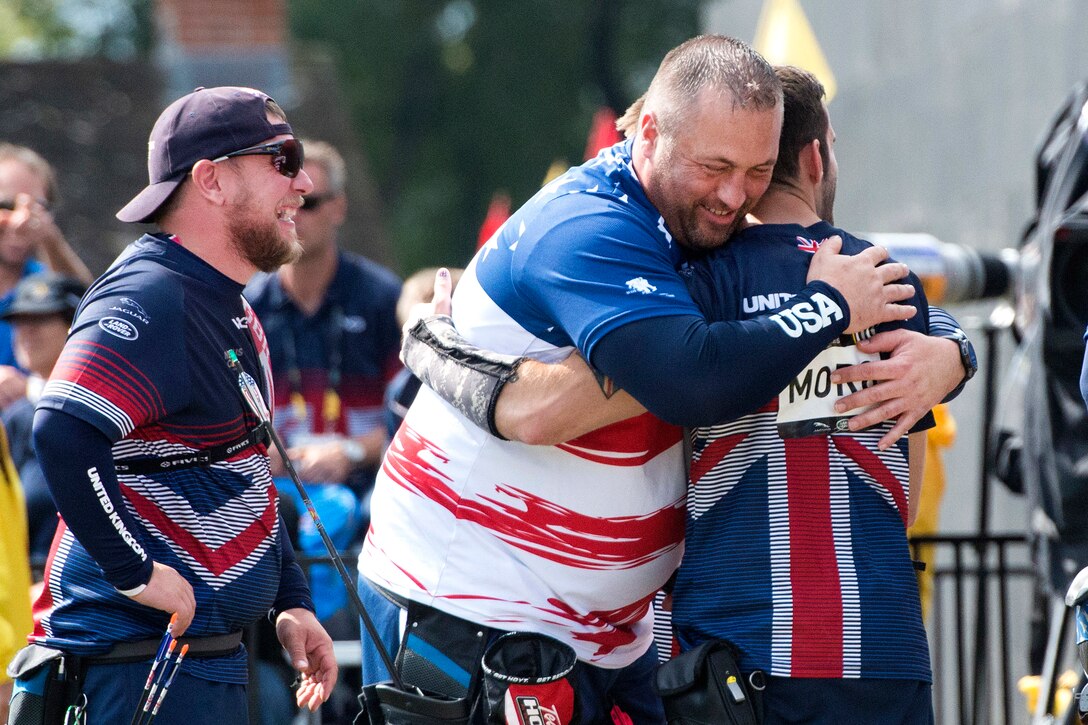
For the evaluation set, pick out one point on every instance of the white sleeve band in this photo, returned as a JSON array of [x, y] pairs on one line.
[[134, 591]]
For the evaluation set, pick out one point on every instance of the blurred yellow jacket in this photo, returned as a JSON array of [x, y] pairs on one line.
[[15, 621], [927, 523]]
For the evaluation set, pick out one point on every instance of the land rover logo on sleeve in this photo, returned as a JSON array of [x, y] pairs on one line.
[[119, 328]]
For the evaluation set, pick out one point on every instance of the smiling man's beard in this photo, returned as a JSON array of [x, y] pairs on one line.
[[681, 214], [262, 244]]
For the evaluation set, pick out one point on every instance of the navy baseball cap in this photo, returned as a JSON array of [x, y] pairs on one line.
[[206, 124], [45, 293]]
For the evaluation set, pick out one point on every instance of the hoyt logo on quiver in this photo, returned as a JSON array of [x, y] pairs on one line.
[[526, 680], [551, 704]]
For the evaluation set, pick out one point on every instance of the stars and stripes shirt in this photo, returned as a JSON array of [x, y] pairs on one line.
[[574, 540], [145, 370], [796, 543]]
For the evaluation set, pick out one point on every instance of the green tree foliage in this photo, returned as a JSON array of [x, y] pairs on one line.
[[64, 29], [456, 99]]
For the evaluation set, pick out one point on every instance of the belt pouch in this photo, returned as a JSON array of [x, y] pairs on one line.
[[704, 686], [398, 707], [439, 666], [47, 682], [527, 680]]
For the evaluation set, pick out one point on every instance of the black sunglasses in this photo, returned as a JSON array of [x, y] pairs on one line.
[[313, 202], [287, 155], [9, 204]]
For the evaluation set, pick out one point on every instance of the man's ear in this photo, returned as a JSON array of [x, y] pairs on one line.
[[208, 181], [649, 133], [811, 162]]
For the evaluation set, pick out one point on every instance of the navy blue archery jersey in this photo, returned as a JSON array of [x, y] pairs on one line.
[[145, 365]]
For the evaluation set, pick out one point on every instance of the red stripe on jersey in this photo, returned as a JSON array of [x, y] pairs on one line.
[[631, 442], [194, 436], [872, 465], [260, 342], [370, 542], [609, 630], [215, 559], [713, 454], [565, 536], [405, 464], [102, 371], [814, 576], [534, 524]]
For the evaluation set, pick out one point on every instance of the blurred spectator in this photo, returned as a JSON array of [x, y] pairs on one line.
[[29, 242], [334, 341], [15, 622], [40, 314], [418, 289], [941, 436]]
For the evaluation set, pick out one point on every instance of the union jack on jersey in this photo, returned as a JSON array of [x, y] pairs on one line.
[[796, 547]]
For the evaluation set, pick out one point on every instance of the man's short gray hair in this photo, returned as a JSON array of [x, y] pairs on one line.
[[716, 62], [326, 156]]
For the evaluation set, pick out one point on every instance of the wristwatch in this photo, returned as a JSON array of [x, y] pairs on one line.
[[354, 451], [967, 353]]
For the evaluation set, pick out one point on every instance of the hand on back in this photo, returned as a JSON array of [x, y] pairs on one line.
[[871, 291]]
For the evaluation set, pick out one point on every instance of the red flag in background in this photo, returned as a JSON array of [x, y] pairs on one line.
[[602, 132], [498, 211]]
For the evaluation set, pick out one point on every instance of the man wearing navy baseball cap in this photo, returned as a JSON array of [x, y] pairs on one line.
[[159, 470]]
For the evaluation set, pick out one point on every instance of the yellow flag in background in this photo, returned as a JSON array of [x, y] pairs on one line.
[[557, 169], [784, 37]]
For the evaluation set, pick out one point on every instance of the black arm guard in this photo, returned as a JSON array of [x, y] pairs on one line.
[[467, 377]]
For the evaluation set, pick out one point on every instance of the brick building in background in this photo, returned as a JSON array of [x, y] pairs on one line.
[[216, 42], [90, 118]]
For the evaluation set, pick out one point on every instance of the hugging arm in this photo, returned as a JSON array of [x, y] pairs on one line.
[[693, 373], [541, 403]]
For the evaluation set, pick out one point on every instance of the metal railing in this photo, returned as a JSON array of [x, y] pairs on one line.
[[971, 623]]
